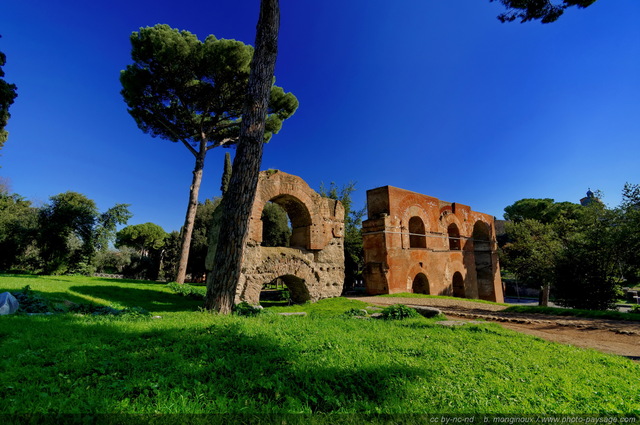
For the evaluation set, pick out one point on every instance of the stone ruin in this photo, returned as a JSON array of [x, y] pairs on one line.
[[412, 243], [417, 243], [312, 267]]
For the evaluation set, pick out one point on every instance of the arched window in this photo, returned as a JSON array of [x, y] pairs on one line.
[[298, 217], [420, 284], [454, 237], [417, 238]]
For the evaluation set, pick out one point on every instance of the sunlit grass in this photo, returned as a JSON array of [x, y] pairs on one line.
[[195, 362]]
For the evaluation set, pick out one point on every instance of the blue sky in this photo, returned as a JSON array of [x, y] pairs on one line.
[[435, 97]]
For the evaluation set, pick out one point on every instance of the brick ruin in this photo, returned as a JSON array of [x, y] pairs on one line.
[[412, 243], [417, 243], [312, 267]]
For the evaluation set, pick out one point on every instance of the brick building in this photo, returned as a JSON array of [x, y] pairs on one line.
[[417, 243]]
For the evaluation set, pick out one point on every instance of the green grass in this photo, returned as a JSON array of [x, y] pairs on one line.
[[412, 295], [194, 362], [592, 314]]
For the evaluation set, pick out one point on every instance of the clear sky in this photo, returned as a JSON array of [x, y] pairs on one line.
[[437, 97]]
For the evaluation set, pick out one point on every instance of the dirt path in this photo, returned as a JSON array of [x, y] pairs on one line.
[[609, 336]]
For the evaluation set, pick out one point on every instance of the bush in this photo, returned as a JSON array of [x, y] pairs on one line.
[[195, 292], [30, 302], [356, 312], [246, 309], [399, 312]]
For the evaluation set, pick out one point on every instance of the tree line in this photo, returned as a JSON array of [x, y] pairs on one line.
[[582, 254]]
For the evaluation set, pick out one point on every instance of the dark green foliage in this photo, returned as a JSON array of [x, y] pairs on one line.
[[353, 249], [142, 237], [71, 229], [226, 174], [200, 238], [18, 231], [356, 312], [588, 268], [194, 292], [545, 11], [8, 93], [31, 302], [543, 210], [246, 309], [170, 257], [179, 88], [399, 312], [275, 226], [101, 310]]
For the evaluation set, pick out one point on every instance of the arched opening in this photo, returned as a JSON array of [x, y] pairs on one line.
[[420, 284], [298, 217], [417, 238], [284, 290], [276, 226], [454, 237], [458, 285], [483, 261]]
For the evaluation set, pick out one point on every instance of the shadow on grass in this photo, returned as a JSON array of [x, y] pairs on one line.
[[224, 368], [149, 299]]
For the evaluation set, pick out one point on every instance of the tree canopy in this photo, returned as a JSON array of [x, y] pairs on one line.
[[194, 92], [543, 210], [545, 11], [142, 237], [8, 93]]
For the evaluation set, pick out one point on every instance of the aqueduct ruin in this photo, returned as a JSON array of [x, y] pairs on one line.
[[312, 266], [412, 243], [417, 243]]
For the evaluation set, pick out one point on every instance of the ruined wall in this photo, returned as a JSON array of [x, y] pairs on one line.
[[417, 243], [312, 267]]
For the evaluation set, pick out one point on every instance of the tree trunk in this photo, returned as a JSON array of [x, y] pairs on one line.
[[187, 229], [237, 203], [544, 296]]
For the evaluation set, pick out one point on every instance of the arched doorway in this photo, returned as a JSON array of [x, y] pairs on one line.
[[482, 260], [454, 237], [276, 226], [458, 285], [284, 290], [420, 284], [417, 238]]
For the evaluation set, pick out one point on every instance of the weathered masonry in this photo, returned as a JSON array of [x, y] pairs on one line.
[[417, 243], [312, 266]]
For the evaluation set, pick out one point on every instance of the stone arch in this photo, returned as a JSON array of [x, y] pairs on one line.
[[457, 283], [299, 217], [417, 233], [420, 284], [453, 233], [313, 266]]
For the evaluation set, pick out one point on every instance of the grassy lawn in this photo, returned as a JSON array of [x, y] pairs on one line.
[[194, 362]]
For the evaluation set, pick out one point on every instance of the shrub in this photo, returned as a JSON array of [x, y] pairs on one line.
[[246, 309], [399, 312], [30, 302], [356, 312], [195, 292]]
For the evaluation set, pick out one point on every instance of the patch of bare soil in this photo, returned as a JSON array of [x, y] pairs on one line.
[[609, 336]]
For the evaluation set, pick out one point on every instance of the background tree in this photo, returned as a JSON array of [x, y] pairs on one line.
[[142, 237], [545, 11], [193, 92], [200, 238], [236, 205], [275, 226], [353, 249], [71, 230], [18, 231], [226, 173], [8, 93], [543, 210]]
